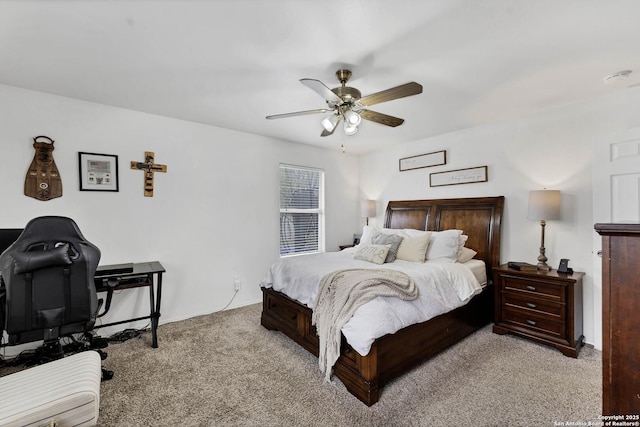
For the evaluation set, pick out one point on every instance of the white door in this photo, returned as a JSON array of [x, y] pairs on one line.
[[616, 196]]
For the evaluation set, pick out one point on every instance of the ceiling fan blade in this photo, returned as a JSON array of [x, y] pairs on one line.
[[298, 113], [321, 89], [327, 133], [383, 119], [401, 91]]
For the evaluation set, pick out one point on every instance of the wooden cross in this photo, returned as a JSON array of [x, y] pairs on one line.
[[150, 168]]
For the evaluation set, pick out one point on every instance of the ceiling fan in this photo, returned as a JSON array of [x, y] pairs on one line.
[[347, 105]]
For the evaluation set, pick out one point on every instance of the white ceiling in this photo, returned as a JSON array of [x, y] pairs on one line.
[[230, 63]]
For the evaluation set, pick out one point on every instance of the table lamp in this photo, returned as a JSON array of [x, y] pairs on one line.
[[544, 205], [368, 209]]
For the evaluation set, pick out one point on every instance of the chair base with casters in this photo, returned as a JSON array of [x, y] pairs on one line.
[[53, 350]]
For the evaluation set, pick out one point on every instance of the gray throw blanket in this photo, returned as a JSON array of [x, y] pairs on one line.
[[341, 293]]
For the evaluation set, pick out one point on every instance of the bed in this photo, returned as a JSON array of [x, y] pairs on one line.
[[394, 354]]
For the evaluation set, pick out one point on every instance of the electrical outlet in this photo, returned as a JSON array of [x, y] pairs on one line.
[[236, 283]]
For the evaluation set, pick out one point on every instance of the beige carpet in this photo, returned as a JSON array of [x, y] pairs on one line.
[[225, 369]]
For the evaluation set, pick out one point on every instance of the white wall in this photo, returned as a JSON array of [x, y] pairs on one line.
[[551, 149], [214, 214]]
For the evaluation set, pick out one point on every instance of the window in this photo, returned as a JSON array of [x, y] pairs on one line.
[[301, 210]]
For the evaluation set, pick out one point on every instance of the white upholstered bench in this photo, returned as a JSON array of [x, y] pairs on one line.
[[66, 391]]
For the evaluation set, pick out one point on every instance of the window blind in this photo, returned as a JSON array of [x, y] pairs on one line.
[[301, 210]]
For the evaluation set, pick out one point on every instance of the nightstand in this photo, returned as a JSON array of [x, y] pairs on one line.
[[342, 247], [542, 306]]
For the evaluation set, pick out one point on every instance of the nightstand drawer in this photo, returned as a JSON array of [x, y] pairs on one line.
[[528, 285], [530, 303], [533, 322]]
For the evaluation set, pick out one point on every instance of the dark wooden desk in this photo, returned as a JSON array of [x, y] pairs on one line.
[[110, 278]]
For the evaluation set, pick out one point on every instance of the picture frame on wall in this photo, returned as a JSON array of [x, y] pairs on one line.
[[98, 172], [459, 176], [427, 160]]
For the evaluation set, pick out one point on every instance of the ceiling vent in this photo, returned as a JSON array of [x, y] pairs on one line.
[[617, 77]]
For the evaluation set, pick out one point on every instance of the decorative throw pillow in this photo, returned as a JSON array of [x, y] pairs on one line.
[[388, 239], [413, 249], [466, 254], [445, 245], [368, 231], [372, 253]]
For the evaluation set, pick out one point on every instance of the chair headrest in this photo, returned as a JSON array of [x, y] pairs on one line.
[[46, 240], [49, 230]]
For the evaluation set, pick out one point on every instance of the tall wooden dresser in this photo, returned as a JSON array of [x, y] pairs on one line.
[[620, 318]]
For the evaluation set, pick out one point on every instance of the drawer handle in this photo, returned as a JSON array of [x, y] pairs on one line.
[[531, 322], [531, 305], [531, 288]]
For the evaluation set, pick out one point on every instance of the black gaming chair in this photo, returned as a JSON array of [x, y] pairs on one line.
[[47, 289]]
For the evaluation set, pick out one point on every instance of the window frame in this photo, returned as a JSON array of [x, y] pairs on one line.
[[319, 211]]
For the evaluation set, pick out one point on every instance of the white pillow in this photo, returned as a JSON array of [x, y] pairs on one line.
[[466, 254], [372, 253], [412, 232], [413, 248], [462, 241], [446, 245]]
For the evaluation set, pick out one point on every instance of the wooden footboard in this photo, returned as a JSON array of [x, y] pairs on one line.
[[364, 376]]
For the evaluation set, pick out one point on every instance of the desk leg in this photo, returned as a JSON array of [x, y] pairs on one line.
[[152, 313], [156, 315]]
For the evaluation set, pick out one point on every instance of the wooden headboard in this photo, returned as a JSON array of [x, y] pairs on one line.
[[478, 217]]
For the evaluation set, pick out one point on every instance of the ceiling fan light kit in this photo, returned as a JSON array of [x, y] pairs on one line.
[[330, 122], [349, 130], [348, 104], [352, 117]]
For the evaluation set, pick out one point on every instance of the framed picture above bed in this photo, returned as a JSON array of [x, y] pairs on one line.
[[427, 160], [458, 176], [98, 172]]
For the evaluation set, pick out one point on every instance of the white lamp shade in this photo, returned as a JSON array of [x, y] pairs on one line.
[[544, 204], [349, 130], [352, 118], [368, 208], [330, 122]]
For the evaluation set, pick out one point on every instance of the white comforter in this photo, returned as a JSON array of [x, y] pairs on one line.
[[442, 287]]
